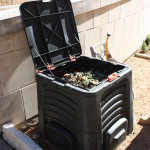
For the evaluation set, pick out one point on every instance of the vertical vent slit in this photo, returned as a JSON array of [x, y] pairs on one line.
[[113, 105]]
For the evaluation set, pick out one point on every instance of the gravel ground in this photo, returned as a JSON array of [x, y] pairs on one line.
[[139, 139]]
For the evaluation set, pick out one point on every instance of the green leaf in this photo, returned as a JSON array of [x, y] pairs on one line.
[[144, 47], [148, 40]]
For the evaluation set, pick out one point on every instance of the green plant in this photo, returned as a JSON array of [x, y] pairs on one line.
[[148, 40], [144, 47]]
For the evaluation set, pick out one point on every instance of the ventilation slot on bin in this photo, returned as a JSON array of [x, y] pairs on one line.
[[60, 109], [114, 105], [60, 136]]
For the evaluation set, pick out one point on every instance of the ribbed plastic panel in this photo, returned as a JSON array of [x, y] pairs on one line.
[[114, 105], [60, 109], [77, 119]]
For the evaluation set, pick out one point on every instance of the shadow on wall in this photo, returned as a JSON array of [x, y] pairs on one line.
[[142, 140], [10, 26], [16, 70], [11, 108]]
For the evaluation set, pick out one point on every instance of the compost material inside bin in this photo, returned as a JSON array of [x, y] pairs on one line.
[[85, 78]]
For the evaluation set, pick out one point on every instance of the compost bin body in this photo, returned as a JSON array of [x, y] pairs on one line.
[[70, 116], [85, 115]]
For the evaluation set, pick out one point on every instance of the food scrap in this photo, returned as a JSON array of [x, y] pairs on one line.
[[84, 79]]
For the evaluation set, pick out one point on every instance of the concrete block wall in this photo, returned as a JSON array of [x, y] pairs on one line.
[[11, 2], [128, 20], [18, 96]]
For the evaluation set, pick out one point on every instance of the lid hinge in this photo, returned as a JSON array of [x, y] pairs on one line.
[[50, 67], [72, 58], [40, 71]]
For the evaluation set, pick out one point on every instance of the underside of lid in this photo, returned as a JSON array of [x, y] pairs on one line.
[[51, 32]]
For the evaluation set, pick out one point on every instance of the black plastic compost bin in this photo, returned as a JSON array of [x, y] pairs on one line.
[[73, 117]]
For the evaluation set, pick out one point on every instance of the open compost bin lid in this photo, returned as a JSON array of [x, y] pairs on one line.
[[51, 32]]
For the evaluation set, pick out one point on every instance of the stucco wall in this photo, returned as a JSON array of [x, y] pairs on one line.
[[128, 20]]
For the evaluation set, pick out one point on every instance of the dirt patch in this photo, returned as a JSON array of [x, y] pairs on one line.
[[139, 139], [33, 132]]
